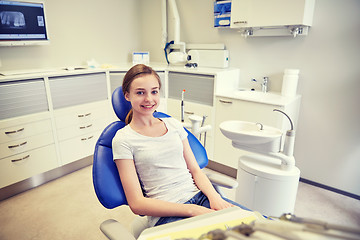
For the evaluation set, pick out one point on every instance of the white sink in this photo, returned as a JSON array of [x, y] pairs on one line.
[[242, 132]]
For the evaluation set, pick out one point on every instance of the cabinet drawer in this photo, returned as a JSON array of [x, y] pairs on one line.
[[82, 129], [79, 147], [81, 115], [79, 89], [199, 88], [25, 144], [27, 164], [19, 98], [24, 130]]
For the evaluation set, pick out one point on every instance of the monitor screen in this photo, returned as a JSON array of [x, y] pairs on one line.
[[22, 23]]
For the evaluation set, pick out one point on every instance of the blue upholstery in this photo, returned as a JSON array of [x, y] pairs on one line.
[[120, 105], [106, 178]]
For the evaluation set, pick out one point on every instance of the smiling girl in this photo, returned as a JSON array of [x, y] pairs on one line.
[[157, 167]]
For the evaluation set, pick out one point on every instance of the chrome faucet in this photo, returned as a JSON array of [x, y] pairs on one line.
[[264, 85]]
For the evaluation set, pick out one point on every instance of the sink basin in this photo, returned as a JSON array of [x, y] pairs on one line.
[[242, 132]]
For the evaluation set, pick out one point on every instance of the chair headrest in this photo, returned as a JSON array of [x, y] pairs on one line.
[[120, 104]]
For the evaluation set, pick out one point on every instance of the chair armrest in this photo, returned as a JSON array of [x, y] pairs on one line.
[[222, 180], [114, 230]]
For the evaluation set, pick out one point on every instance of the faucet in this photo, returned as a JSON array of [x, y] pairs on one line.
[[264, 84]]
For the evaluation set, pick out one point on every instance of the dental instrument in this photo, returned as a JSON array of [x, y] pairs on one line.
[[320, 224], [182, 105]]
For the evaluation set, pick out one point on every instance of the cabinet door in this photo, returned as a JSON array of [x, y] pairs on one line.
[[79, 147], [21, 166], [79, 89], [25, 144], [18, 98], [21, 131], [265, 13], [199, 88], [231, 109], [82, 115]]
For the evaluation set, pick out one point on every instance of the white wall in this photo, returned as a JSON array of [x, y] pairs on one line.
[[107, 31], [327, 147]]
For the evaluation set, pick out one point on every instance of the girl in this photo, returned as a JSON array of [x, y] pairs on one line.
[[157, 167]]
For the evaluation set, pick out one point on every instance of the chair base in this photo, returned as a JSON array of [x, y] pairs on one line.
[[114, 230]]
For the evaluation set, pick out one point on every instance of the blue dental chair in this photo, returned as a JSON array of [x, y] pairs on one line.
[[106, 180]]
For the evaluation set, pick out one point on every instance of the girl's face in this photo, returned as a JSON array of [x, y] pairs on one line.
[[144, 94]]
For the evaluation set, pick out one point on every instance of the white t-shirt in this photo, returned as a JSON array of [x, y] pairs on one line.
[[159, 162]]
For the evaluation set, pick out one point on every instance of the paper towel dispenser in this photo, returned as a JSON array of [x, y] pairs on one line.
[[272, 17]]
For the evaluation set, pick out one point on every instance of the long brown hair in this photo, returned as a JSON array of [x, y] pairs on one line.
[[133, 73]]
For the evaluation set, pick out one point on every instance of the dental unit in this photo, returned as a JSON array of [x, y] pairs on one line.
[[268, 178], [197, 123]]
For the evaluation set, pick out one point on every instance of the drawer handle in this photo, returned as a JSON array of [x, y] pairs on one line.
[[20, 159], [223, 101], [84, 115], [83, 127], [84, 139], [18, 145], [190, 113], [16, 131], [240, 22]]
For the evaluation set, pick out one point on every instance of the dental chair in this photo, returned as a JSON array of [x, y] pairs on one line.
[[106, 180]]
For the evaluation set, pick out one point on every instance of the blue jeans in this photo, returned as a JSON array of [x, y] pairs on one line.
[[199, 199]]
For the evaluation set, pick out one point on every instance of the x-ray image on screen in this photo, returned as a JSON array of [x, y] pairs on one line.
[[14, 20]]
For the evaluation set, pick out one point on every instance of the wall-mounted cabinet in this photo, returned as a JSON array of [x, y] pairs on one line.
[[255, 16]]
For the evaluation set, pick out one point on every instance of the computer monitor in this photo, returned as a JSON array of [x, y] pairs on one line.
[[22, 23]]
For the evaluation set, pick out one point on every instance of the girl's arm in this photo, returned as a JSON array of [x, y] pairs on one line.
[[202, 181], [146, 206]]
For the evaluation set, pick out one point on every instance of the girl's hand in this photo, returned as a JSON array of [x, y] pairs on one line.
[[219, 203]]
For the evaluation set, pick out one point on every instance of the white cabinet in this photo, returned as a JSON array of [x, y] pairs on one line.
[[44, 118], [79, 127], [27, 144], [270, 13], [81, 112], [236, 109]]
